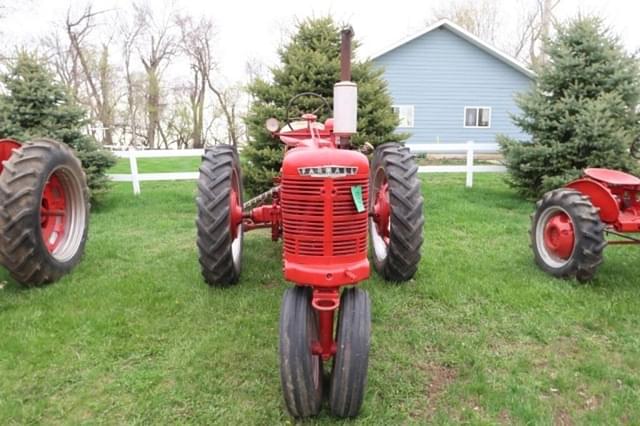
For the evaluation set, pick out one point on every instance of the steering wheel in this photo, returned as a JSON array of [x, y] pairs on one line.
[[325, 105]]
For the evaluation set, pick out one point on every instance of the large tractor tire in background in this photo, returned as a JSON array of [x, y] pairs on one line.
[[44, 212], [567, 235], [301, 371], [219, 220], [397, 217], [351, 361]]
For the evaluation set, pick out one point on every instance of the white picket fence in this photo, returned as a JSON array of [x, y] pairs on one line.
[[135, 178], [469, 148]]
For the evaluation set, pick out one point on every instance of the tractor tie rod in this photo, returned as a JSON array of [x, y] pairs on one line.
[[618, 234], [260, 199]]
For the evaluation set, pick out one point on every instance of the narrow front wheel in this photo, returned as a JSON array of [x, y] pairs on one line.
[[349, 373], [300, 369]]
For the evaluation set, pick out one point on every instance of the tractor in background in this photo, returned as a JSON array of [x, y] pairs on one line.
[[44, 210], [571, 224], [328, 205]]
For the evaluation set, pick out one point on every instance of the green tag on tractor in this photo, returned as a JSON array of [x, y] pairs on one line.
[[356, 194]]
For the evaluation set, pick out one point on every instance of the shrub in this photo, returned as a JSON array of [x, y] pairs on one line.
[[581, 113], [35, 105]]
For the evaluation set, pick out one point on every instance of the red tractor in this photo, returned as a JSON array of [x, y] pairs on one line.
[[325, 201], [44, 210], [570, 224]]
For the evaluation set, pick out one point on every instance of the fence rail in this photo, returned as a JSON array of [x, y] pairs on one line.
[[470, 149]]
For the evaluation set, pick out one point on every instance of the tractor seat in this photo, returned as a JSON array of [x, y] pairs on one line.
[[612, 177]]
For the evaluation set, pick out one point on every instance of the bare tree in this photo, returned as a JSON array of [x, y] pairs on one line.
[[98, 83], [479, 17], [483, 19], [129, 33], [64, 61], [229, 99], [197, 40], [156, 44], [196, 45]]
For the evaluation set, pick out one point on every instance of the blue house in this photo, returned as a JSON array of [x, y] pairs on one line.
[[448, 86]]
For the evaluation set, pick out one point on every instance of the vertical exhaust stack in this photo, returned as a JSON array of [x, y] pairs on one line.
[[345, 94]]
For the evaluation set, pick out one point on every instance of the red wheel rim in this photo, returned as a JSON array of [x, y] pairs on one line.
[[559, 236], [382, 211], [235, 219], [54, 212], [236, 207], [380, 215]]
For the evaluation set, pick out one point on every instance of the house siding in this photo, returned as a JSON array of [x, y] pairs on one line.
[[440, 73]]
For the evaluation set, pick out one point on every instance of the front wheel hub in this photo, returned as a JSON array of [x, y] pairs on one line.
[[559, 236]]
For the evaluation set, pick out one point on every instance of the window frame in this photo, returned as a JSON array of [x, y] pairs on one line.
[[413, 115], [477, 108]]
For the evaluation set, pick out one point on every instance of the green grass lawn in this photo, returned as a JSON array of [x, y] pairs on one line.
[[481, 335], [158, 165]]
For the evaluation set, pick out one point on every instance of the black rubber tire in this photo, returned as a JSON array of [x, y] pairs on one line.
[[588, 230], [219, 164], [300, 370], [22, 249], [353, 336], [407, 215]]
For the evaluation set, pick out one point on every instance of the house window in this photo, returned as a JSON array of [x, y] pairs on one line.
[[405, 114], [477, 117]]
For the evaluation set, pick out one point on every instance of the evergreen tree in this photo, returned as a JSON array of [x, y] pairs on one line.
[[35, 105], [582, 112], [310, 62]]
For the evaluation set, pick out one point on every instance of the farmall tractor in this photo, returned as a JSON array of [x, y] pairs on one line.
[[44, 210], [325, 201], [570, 224]]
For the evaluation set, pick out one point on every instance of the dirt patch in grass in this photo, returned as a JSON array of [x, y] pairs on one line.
[[562, 418], [440, 377]]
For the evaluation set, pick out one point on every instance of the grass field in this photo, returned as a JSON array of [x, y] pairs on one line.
[[158, 165], [480, 336]]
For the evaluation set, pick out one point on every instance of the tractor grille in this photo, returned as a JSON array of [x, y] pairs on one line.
[[318, 223]]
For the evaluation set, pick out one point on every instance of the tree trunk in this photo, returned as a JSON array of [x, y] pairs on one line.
[[106, 112], [153, 106]]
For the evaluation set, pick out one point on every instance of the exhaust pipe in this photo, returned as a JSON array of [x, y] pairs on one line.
[[345, 94]]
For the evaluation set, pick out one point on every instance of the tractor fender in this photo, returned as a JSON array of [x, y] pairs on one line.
[[601, 198]]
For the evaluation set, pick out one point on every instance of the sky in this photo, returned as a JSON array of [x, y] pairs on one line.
[[253, 30]]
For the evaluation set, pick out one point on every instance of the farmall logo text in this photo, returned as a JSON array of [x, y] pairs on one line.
[[327, 171]]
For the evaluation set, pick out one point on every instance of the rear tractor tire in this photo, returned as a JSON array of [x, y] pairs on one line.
[[219, 220], [567, 235], [44, 212], [301, 371], [397, 217]]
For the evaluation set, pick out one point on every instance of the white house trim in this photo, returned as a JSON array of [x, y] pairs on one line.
[[461, 32]]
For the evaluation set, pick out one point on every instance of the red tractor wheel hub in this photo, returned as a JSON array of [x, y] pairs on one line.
[[53, 213], [382, 211], [236, 207], [559, 236]]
